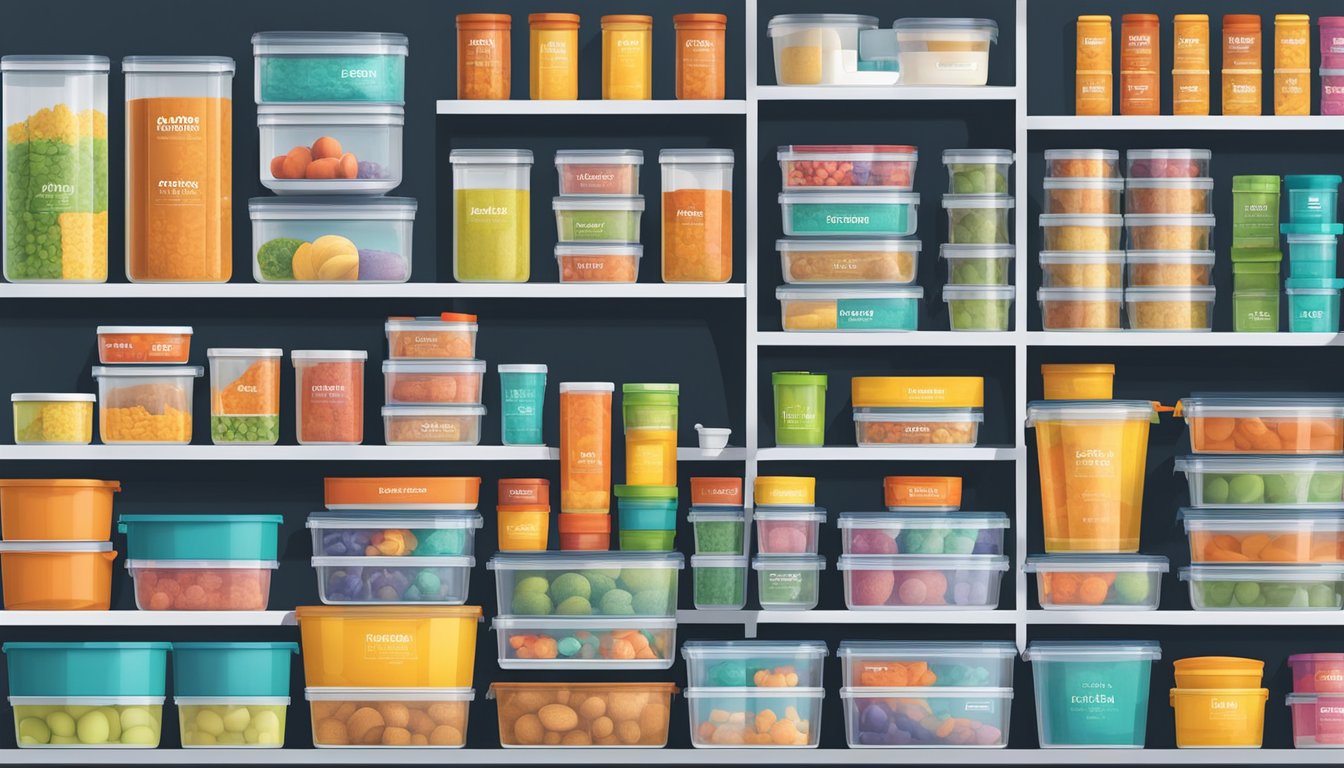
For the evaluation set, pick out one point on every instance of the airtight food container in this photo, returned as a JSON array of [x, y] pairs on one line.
[[1182, 195], [780, 491], [437, 382], [491, 216], [1080, 309], [432, 424], [945, 51], [599, 171], [1098, 581], [604, 218], [402, 493], [977, 171], [1092, 694], [944, 717], [788, 582], [56, 510], [921, 664], [393, 533], [788, 530], [1082, 163], [329, 396], [892, 260], [244, 396], [1081, 232], [200, 537], [202, 585], [531, 715], [148, 404], [1219, 717], [1082, 195], [872, 213], [396, 579], [359, 717], [578, 642], [448, 336], [754, 663], [978, 219], [314, 149], [1259, 536], [1169, 231], [978, 264], [326, 240], [1082, 269], [819, 48], [947, 427], [911, 493], [979, 307], [849, 307], [837, 167], [1242, 482], [1265, 587], [587, 583], [153, 344], [1218, 672], [1166, 269], [749, 718], [1264, 424], [56, 575], [423, 646], [719, 582], [1317, 672], [232, 694], [599, 262], [1167, 163], [243, 721], [1170, 309], [1317, 720], [52, 418], [905, 582], [911, 531], [329, 67]]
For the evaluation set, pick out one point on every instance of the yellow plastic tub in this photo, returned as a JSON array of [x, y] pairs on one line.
[[1084, 381], [414, 646], [57, 575], [1219, 717], [1092, 456], [1210, 672], [918, 391], [786, 491]]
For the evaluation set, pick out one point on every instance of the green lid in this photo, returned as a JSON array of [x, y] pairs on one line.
[[799, 378], [650, 389], [1240, 255], [646, 492], [1255, 183], [1255, 267]]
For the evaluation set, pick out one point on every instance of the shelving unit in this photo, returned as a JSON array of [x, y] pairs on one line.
[[135, 291], [504, 453]]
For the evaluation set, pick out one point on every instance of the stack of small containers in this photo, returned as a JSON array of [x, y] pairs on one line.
[[788, 524], [1082, 265], [524, 512], [57, 527], [1313, 231], [432, 390], [722, 543], [1219, 702], [647, 503], [597, 215], [585, 465], [1256, 255], [1318, 693], [979, 250], [755, 693]]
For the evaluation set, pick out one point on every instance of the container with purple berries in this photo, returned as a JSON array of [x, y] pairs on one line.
[[393, 580], [920, 582], [328, 149], [379, 556], [331, 239], [927, 717], [922, 533]]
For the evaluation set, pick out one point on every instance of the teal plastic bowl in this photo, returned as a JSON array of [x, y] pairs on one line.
[[232, 669], [1312, 199], [86, 669], [200, 537], [648, 541]]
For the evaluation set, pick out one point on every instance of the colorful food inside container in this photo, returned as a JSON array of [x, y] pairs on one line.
[[583, 714], [894, 582], [336, 149], [1083, 195], [1246, 536], [979, 308], [578, 644], [914, 531], [381, 579], [598, 218], [324, 159], [1098, 581], [978, 264], [977, 171], [393, 534], [52, 418], [1082, 163], [788, 582], [917, 426], [316, 239], [461, 493], [885, 214], [491, 203], [719, 582], [233, 694], [222, 585], [754, 663], [389, 717], [1264, 587], [1069, 269], [1264, 424], [718, 531], [163, 345], [945, 51], [89, 721], [755, 717], [433, 425], [433, 383], [978, 219], [1167, 163], [599, 262], [56, 575], [1169, 232], [145, 405], [919, 664], [1168, 195], [421, 646], [245, 722], [1092, 694], [849, 308], [1080, 309], [950, 717], [697, 202], [599, 171], [1170, 309], [889, 166], [1078, 381], [585, 446], [1082, 232], [1317, 672], [1255, 481], [849, 260], [447, 336], [329, 396], [587, 584], [923, 494], [1170, 268], [788, 531], [245, 396], [1220, 717]]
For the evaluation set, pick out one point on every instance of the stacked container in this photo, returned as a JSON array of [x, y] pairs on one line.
[[201, 562], [524, 512], [1140, 80], [56, 552], [788, 526], [722, 543], [1292, 64], [1256, 255], [1219, 702], [979, 250], [433, 398], [597, 215], [849, 259], [1318, 694], [1092, 694], [1243, 77], [754, 693], [1082, 264], [1190, 64], [935, 411], [232, 694], [1313, 231], [145, 385], [585, 464], [330, 117], [927, 695], [1332, 65]]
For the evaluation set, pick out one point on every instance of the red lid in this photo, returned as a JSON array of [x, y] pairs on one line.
[[1139, 18], [1241, 20], [875, 148], [582, 522], [456, 317]]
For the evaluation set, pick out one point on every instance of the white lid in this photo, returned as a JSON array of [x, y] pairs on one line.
[[572, 623], [328, 43], [1169, 219], [924, 692], [598, 203], [949, 415], [947, 649], [921, 520], [251, 565], [754, 692], [521, 368], [696, 156], [396, 411], [110, 372], [812, 292], [846, 197], [346, 113], [205, 701], [54, 547], [843, 152], [1082, 154], [1109, 183], [822, 19], [376, 518], [1169, 154], [1088, 410], [599, 250], [600, 156], [319, 355], [62, 63], [327, 208], [1081, 219], [384, 562], [433, 366], [568, 561], [586, 386], [1183, 294], [1048, 258], [1079, 294], [1170, 257], [977, 251], [244, 352], [922, 563], [389, 694], [177, 65], [874, 244], [427, 324], [792, 514], [996, 156], [736, 649], [978, 292], [788, 563], [180, 330], [52, 397], [719, 561], [1095, 563], [978, 201], [491, 156], [1169, 182], [1092, 650], [1258, 464]]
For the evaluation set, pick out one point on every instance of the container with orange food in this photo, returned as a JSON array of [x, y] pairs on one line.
[[483, 54], [1243, 41], [1190, 64], [1084, 163], [1260, 536], [1170, 268], [558, 715], [426, 382], [599, 171], [1078, 381], [419, 646], [389, 717], [1264, 424], [585, 446], [1140, 83], [1082, 195], [702, 58], [917, 410], [1080, 309], [716, 492], [154, 344], [56, 575], [56, 510], [244, 396], [461, 493], [598, 262], [1098, 582], [524, 491], [1169, 195], [697, 204], [447, 336], [923, 494], [1092, 66], [1292, 64]]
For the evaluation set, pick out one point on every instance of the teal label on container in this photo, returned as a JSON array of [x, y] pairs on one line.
[[867, 218], [875, 314], [522, 396], [1089, 704]]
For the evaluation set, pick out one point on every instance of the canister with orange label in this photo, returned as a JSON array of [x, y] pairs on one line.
[[585, 446], [1140, 84], [1093, 80], [1292, 64], [1190, 64], [1243, 42]]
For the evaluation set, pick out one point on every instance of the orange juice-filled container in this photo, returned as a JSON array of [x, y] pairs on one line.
[[1140, 83], [702, 57], [179, 168], [585, 446], [697, 215], [1092, 70], [627, 57], [553, 55], [1190, 64], [1243, 42], [483, 42], [1292, 64]]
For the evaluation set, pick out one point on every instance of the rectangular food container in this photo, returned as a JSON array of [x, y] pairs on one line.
[[1082, 269], [202, 585], [149, 404], [922, 664], [1251, 536], [849, 308], [437, 382], [52, 418], [872, 213], [1082, 195], [754, 663], [1080, 309], [1219, 717], [399, 580], [393, 533], [358, 717], [402, 493], [598, 218], [1312, 255], [948, 427], [596, 583], [244, 395], [926, 718], [903, 582], [744, 718], [977, 171], [1170, 309], [1239, 482], [56, 510], [1182, 195], [599, 171], [837, 167], [318, 239], [330, 66], [424, 646], [1316, 720], [1317, 672], [447, 336], [1169, 231], [599, 262], [1167, 163], [978, 219], [629, 714], [978, 264], [1264, 424], [322, 149], [819, 48], [912, 493], [200, 537], [788, 582], [890, 260], [788, 530], [56, 575], [1097, 581], [1082, 163], [432, 425], [1314, 587], [1081, 232], [943, 51], [1092, 694], [719, 582], [153, 344], [137, 720], [1165, 269], [914, 531], [577, 642], [979, 307], [245, 721]]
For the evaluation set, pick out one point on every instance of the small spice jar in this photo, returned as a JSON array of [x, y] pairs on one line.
[[553, 45], [483, 55], [1140, 84], [627, 57], [329, 396], [1242, 44], [1093, 81], [1190, 65], [701, 55]]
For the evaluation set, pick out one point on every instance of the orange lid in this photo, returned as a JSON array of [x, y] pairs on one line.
[[627, 18], [1241, 20], [582, 522], [721, 491], [461, 492], [388, 612], [524, 491], [113, 485], [456, 317], [1139, 18], [700, 20], [922, 491], [557, 19], [484, 20]]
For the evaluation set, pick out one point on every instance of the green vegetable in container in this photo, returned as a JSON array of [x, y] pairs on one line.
[[275, 258]]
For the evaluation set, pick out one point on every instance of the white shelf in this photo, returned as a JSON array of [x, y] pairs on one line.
[[894, 339], [1180, 339], [911, 453], [1189, 618], [883, 93], [356, 290], [146, 619], [314, 453], [753, 617], [593, 107], [1185, 123]]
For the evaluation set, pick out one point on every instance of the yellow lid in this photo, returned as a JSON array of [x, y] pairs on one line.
[[918, 391], [1094, 19], [786, 491], [1191, 17], [1292, 18]]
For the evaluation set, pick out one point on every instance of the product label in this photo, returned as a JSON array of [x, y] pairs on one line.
[[177, 148], [590, 230], [797, 416], [359, 74], [328, 394], [1329, 721], [875, 314], [402, 490], [390, 646], [522, 529], [626, 65]]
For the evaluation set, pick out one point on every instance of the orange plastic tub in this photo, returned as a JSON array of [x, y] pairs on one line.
[[403, 492], [1218, 672], [1219, 717], [160, 345], [716, 491], [417, 646], [585, 446], [1084, 381], [583, 532], [524, 527], [930, 494], [56, 510], [552, 715], [57, 575]]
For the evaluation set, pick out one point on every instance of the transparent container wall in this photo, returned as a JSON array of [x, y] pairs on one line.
[[207, 587], [579, 643], [742, 718], [242, 722], [392, 580], [434, 718], [245, 400], [491, 222], [342, 250], [883, 718], [697, 211], [136, 722], [367, 155]]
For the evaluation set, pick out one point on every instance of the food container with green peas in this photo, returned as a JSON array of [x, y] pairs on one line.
[[719, 582], [979, 307], [1303, 482], [978, 264], [1308, 587], [977, 171], [977, 218], [53, 418], [245, 396]]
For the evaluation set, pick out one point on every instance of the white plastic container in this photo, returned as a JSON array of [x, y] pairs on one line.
[[936, 427], [917, 582], [356, 533], [378, 580], [146, 404], [912, 532], [1252, 482], [330, 240], [433, 382], [945, 51], [788, 582], [957, 664], [339, 67], [565, 643], [886, 167], [1098, 581], [226, 585], [788, 530], [754, 663], [971, 717], [1253, 587], [892, 260], [719, 582], [599, 171], [444, 724], [262, 717], [746, 708], [1263, 536], [598, 262], [873, 214], [432, 424], [299, 142], [450, 336], [491, 215], [849, 307], [631, 583], [822, 49]]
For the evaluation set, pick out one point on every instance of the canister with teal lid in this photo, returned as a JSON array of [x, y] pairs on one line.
[[1313, 198], [800, 407], [232, 668], [522, 394]]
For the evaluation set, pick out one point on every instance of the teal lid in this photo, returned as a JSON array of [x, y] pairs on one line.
[[1311, 181], [1242, 255], [201, 537], [1255, 183], [798, 378], [1311, 229], [646, 492], [86, 669], [232, 669]]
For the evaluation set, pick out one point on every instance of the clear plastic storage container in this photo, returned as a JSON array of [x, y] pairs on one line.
[[1169, 231], [383, 580], [151, 344], [1082, 195], [849, 260], [42, 721], [329, 67], [435, 382], [1170, 309], [849, 307], [245, 396], [1264, 424], [599, 171], [978, 171], [359, 717], [1167, 163], [1180, 195], [697, 204], [1081, 232], [944, 717], [948, 427], [1316, 720], [1098, 581], [329, 396], [1178, 269], [531, 715], [330, 240], [1313, 587], [53, 418], [1080, 309], [310, 149], [202, 585], [577, 642], [598, 262], [450, 335], [945, 51], [820, 48], [788, 582], [146, 404], [978, 219], [1082, 269], [902, 582], [911, 531], [1082, 163], [754, 663], [232, 721], [719, 582], [979, 307], [882, 214], [978, 264], [836, 167], [788, 530], [923, 664], [738, 718], [591, 583], [492, 201], [432, 424], [598, 218], [1260, 536], [1264, 481]]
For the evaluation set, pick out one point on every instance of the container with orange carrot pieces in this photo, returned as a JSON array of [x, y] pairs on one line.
[[754, 663], [581, 642], [1263, 424], [1264, 536], [1097, 581], [921, 664]]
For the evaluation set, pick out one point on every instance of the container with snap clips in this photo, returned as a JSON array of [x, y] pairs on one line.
[[1167, 195], [890, 260], [1170, 309], [1081, 195], [1080, 309], [1249, 482], [788, 582], [450, 335], [977, 171], [1098, 581], [916, 531], [1170, 269], [492, 201], [945, 51], [922, 582], [1082, 269], [1081, 232], [312, 149], [422, 646], [576, 642], [604, 218], [435, 717], [330, 67], [1070, 711], [1168, 163], [852, 212], [719, 582], [1264, 424], [232, 694], [979, 264], [822, 49], [1262, 536], [57, 575], [331, 240], [151, 344], [979, 307], [599, 171], [56, 510], [433, 382], [837, 167], [754, 663], [849, 307], [50, 418], [147, 404], [962, 717], [1082, 163], [978, 219], [1242, 586]]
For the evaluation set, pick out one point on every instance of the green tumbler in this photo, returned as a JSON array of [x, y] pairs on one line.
[[800, 407]]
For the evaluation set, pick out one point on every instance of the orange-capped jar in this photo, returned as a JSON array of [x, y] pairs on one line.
[[942, 494], [529, 491], [1190, 65], [702, 57], [1092, 69], [1243, 43], [483, 41], [553, 62], [523, 527], [585, 446], [1140, 84], [716, 491]]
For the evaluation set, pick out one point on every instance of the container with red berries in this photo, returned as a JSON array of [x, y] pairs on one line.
[[888, 167]]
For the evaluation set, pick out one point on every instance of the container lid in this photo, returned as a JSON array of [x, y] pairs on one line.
[[486, 18], [1259, 464], [996, 156], [328, 355], [882, 244], [1300, 237], [847, 152], [113, 372], [920, 23], [1169, 219], [53, 547], [920, 520], [512, 561], [716, 156], [1139, 17], [377, 612], [586, 386], [243, 700], [1170, 154], [180, 330], [1092, 650], [521, 368], [719, 561], [111, 485], [978, 201], [978, 292], [626, 18], [1191, 17], [1255, 184], [433, 410], [668, 492], [754, 692], [119, 645], [853, 291], [152, 519], [862, 649], [926, 692], [1312, 181], [716, 19], [1256, 256], [598, 203], [1312, 285], [847, 197], [791, 514], [1079, 294], [1095, 563], [1048, 258], [52, 397], [1334, 699], [175, 65], [1083, 154], [1296, 228], [239, 565], [1263, 572], [389, 694], [918, 391], [1182, 294], [922, 563], [491, 156], [433, 366], [711, 649], [343, 208], [599, 250], [1312, 658], [1260, 520], [821, 19], [1108, 183], [570, 623], [1078, 368], [447, 322], [980, 251], [380, 518], [716, 515], [1081, 220], [510, 509], [650, 389], [244, 352], [798, 379], [384, 561], [945, 415], [1165, 182], [53, 63], [789, 563], [326, 43], [1088, 410], [1261, 405], [1171, 257], [327, 114], [238, 646]]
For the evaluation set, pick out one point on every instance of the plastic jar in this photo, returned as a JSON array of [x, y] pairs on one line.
[[1092, 78], [553, 45], [522, 394], [1190, 64], [491, 215], [55, 109], [697, 215], [627, 57], [179, 168], [523, 527], [48, 418], [800, 408], [1255, 211], [701, 55], [585, 446], [649, 414], [329, 396], [1242, 44], [1332, 90], [1292, 92], [1292, 64], [146, 404], [483, 42], [1140, 83], [1332, 42], [244, 396]]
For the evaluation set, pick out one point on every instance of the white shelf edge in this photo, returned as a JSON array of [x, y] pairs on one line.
[[1184, 123], [1180, 339], [892, 339], [355, 290], [138, 618], [883, 93], [592, 107], [314, 453], [911, 453], [1186, 618]]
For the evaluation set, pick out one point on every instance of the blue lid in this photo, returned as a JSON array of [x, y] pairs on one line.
[[1313, 284], [201, 537], [277, 519], [1311, 229], [232, 669], [87, 669], [292, 647], [1311, 181]]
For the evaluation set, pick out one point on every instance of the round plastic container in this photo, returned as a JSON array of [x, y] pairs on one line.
[[977, 171], [1070, 711], [800, 407], [697, 206], [553, 60], [56, 510], [585, 446], [871, 213], [406, 647], [433, 382], [1242, 482], [393, 533], [572, 643], [945, 51], [202, 585], [1170, 269], [1080, 309], [530, 491], [647, 507], [406, 493], [448, 336], [750, 718], [201, 537], [1098, 582], [718, 530], [626, 583], [329, 396], [1166, 195], [1081, 381], [57, 575], [812, 48], [978, 264], [1264, 424], [314, 149], [849, 260], [435, 717], [245, 396], [1082, 163], [1170, 309], [914, 531], [788, 531], [950, 717], [779, 491], [584, 532], [318, 239], [719, 582], [51, 418], [483, 54], [979, 307], [599, 171], [1225, 717], [922, 494], [399, 580], [640, 711], [788, 582], [491, 215], [1167, 163], [977, 219], [329, 67], [627, 56], [754, 663], [1313, 587], [1081, 232], [849, 307], [837, 167], [917, 582], [232, 669], [599, 262], [154, 344], [1081, 195], [146, 404], [1317, 672], [922, 664], [1212, 672], [716, 492]]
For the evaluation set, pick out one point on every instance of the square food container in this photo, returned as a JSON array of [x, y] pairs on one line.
[[1167, 163], [788, 582], [1169, 195], [1316, 720], [437, 382], [889, 260], [447, 336], [393, 533], [754, 663], [150, 344], [1170, 309], [979, 307], [56, 575], [202, 585], [432, 425], [877, 718], [599, 171], [246, 721], [321, 149], [1312, 255], [1080, 309], [871, 213], [943, 51], [422, 646], [948, 427], [598, 218], [396, 580], [849, 308], [1242, 482], [1082, 163], [1260, 536], [146, 405], [978, 219], [531, 715], [1180, 269], [598, 262], [1071, 708], [577, 642], [788, 530], [912, 531], [434, 717], [748, 718], [922, 664], [1098, 581], [1264, 424], [330, 67], [1313, 304], [820, 48], [53, 418], [1082, 195], [837, 167], [719, 582], [977, 171], [244, 395], [1081, 232], [590, 583], [1082, 269], [1312, 199], [1169, 231], [978, 264], [1242, 586], [904, 582], [324, 240]]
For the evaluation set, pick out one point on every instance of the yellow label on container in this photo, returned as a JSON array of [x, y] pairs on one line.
[[918, 391], [554, 64]]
